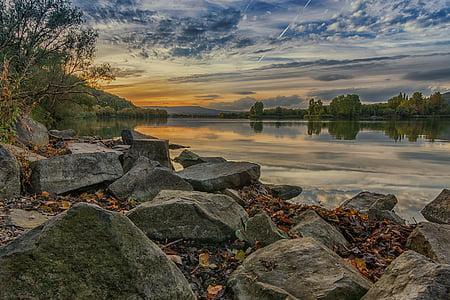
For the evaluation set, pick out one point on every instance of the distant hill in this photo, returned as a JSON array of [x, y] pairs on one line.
[[189, 110]]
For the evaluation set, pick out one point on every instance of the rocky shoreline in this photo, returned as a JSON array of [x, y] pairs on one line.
[[82, 217]]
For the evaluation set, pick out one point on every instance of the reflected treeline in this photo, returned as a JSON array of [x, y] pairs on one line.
[[430, 129]]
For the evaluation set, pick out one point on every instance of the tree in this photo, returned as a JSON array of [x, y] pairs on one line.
[[257, 110], [315, 108], [346, 106]]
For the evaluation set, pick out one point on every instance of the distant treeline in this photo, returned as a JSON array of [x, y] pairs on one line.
[[350, 107]]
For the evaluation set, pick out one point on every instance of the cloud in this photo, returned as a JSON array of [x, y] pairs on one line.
[[127, 73], [431, 75], [245, 93], [246, 103], [207, 97], [333, 77]]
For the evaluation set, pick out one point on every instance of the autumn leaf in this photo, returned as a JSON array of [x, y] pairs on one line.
[[214, 291], [240, 255]]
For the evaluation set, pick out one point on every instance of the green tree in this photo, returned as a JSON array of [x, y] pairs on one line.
[[346, 106], [257, 110]]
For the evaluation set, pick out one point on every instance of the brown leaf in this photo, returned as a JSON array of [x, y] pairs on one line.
[[214, 291]]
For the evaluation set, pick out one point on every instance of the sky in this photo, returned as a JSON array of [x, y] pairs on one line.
[[226, 54]]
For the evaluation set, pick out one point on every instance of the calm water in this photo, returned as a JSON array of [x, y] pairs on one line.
[[330, 160]]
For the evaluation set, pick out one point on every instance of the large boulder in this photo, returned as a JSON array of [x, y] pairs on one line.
[[260, 229], [129, 135], [412, 276], [211, 177], [195, 216], [438, 211], [153, 149], [310, 224], [145, 180], [72, 172], [10, 185], [297, 269], [284, 191], [88, 253], [31, 133], [188, 158], [432, 240], [367, 200]]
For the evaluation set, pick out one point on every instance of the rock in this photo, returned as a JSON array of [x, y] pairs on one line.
[[128, 136], [285, 192], [78, 148], [297, 269], [176, 147], [26, 219], [10, 185], [155, 150], [31, 133], [188, 158], [88, 253], [382, 215], [310, 224], [234, 195], [194, 216], [412, 276], [66, 134], [366, 200], [72, 172], [438, 211], [22, 152], [145, 180], [431, 240], [261, 229], [210, 177]]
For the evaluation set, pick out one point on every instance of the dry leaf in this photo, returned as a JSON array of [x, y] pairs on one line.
[[176, 259], [203, 260], [213, 291]]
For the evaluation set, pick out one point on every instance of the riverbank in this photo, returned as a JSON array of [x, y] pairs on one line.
[[217, 225]]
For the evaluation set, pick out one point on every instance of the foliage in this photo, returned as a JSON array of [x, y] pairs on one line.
[[346, 106], [257, 110]]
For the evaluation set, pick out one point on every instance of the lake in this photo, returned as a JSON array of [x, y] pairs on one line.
[[332, 161]]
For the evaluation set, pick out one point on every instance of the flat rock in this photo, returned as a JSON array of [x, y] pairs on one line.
[[128, 136], [310, 224], [188, 158], [366, 200], [26, 219], [194, 216], [297, 269], [66, 134], [78, 148], [210, 177], [412, 276], [72, 172], [260, 229], [438, 211], [431, 240], [10, 185], [155, 150], [284, 191], [88, 253], [22, 152], [31, 133], [145, 180]]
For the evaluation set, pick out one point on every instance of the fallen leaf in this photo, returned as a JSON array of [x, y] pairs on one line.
[[240, 255], [213, 291], [203, 260], [176, 259]]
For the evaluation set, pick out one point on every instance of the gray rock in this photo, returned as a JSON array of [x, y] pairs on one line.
[[431, 240], [297, 269], [235, 195], [145, 180], [156, 150], [26, 219], [382, 215], [210, 177], [194, 216], [72, 172], [285, 192], [412, 276], [366, 200], [31, 133], [438, 211], [188, 158], [66, 134], [310, 224], [88, 253], [10, 185], [128, 136], [78, 148], [260, 229]]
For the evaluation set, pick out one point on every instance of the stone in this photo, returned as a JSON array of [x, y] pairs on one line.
[[412, 276], [23, 152], [431, 240], [285, 192], [438, 210], [31, 133], [188, 158], [78, 148], [382, 215], [211, 177], [88, 253], [72, 172], [196, 216], [260, 229], [310, 224], [155, 150], [128, 136], [297, 269], [26, 219], [234, 194], [145, 180], [367, 200], [66, 134], [10, 184]]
